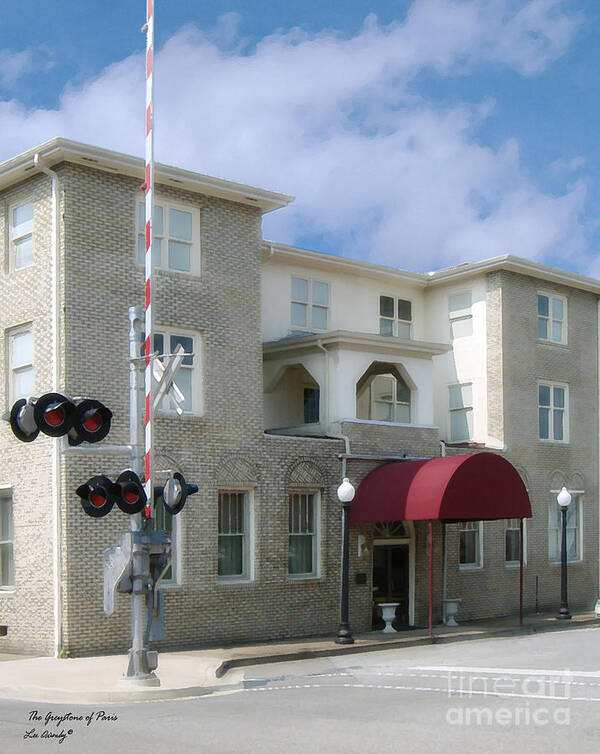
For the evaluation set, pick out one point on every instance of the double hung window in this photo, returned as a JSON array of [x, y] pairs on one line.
[[21, 235], [20, 364], [309, 304], [7, 575], [512, 539], [460, 315], [460, 400], [574, 529], [234, 562], [176, 237], [303, 534], [552, 318], [553, 412], [470, 550], [188, 377], [395, 317]]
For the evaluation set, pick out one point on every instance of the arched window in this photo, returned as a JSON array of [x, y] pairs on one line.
[[382, 394]]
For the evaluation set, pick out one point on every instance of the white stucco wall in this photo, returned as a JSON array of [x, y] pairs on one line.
[[467, 361]]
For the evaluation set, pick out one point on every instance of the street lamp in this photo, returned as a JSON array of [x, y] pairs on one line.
[[563, 499], [345, 495]]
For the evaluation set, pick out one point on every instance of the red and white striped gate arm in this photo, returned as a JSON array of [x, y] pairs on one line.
[[149, 204]]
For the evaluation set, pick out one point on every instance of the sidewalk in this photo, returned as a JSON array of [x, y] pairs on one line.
[[204, 671]]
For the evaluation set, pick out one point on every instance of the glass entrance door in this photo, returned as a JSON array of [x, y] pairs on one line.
[[391, 582]]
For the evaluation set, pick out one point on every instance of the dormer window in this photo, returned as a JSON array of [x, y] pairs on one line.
[[395, 317]]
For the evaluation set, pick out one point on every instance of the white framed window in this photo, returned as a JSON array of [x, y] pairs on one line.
[[7, 571], [460, 315], [309, 304], [235, 536], [189, 376], [303, 517], [163, 520], [20, 225], [20, 363], [552, 318], [176, 241], [553, 411], [470, 549], [574, 528], [512, 542], [395, 317], [460, 404]]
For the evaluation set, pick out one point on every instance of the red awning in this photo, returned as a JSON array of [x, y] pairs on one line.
[[474, 487]]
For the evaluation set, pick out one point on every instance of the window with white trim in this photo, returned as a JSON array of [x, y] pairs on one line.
[[20, 363], [574, 528], [395, 317], [188, 378], [460, 315], [303, 516], [553, 411], [234, 543], [390, 399], [460, 404], [469, 544], [552, 318], [512, 542], [7, 572], [309, 304], [176, 237], [20, 227]]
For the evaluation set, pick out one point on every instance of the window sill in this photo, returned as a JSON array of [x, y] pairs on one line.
[[553, 442], [169, 271], [234, 581], [169, 585], [542, 342], [569, 562], [470, 567], [303, 578], [514, 564], [7, 591]]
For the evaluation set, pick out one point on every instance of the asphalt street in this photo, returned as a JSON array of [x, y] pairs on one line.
[[540, 693]]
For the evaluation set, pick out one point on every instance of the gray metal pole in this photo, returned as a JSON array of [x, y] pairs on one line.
[[141, 661]]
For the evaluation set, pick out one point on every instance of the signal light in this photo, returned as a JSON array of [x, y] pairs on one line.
[[175, 493], [129, 493], [56, 415], [96, 498]]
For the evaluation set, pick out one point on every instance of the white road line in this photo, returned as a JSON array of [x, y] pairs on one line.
[[512, 671]]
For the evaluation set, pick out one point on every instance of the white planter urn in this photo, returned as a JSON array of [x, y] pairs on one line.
[[450, 609], [388, 613]]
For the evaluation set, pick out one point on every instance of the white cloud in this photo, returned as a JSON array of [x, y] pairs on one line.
[[379, 171]]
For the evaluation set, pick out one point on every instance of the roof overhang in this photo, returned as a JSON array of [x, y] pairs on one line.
[[474, 487], [353, 341], [59, 150]]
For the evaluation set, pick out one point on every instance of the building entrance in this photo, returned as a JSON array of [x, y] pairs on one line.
[[391, 582]]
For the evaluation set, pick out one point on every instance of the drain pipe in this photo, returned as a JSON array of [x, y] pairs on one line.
[[55, 464], [326, 386], [445, 540]]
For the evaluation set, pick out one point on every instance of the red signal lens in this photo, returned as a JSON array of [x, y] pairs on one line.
[[93, 422], [54, 416], [131, 497], [97, 499]]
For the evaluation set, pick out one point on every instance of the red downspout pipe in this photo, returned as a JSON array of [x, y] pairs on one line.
[[430, 549], [521, 572]]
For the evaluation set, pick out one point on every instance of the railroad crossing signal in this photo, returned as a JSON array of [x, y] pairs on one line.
[[55, 415], [175, 492], [99, 494]]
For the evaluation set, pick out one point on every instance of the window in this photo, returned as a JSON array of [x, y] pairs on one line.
[[574, 528], [395, 317], [460, 399], [311, 405], [460, 315], [382, 394], [188, 377], [234, 536], [553, 412], [21, 235], [552, 318], [176, 242], [20, 364], [303, 528], [7, 575], [512, 537], [310, 304], [470, 534], [164, 521]]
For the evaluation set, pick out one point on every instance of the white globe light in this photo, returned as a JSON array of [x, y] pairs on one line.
[[564, 498], [346, 491]]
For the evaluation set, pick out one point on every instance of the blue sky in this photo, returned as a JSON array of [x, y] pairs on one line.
[[416, 133]]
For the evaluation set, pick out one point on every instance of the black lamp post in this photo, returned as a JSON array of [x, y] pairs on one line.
[[345, 494], [563, 499]]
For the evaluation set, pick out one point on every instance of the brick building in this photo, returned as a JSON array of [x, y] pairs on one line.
[[303, 364]]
